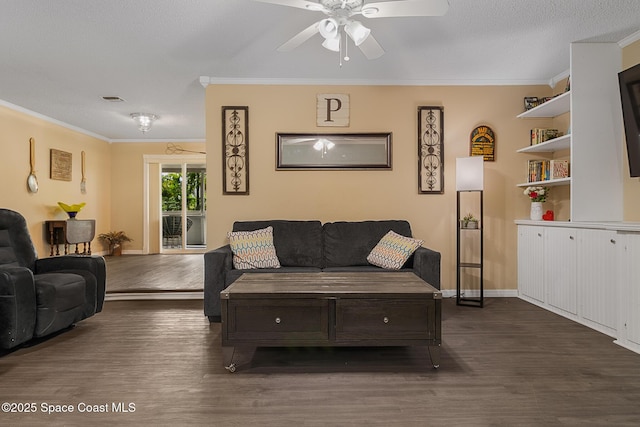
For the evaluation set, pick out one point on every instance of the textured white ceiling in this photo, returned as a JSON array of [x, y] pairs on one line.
[[58, 58]]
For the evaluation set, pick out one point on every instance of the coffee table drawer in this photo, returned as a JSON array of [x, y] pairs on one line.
[[385, 319], [283, 319]]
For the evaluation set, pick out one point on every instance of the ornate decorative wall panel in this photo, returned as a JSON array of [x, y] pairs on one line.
[[235, 150], [431, 150]]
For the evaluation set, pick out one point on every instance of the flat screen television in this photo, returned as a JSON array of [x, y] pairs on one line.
[[629, 80]]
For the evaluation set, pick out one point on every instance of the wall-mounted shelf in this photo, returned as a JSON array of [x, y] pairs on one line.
[[551, 146], [548, 183], [554, 107]]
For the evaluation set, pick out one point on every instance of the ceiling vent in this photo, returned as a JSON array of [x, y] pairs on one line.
[[113, 99]]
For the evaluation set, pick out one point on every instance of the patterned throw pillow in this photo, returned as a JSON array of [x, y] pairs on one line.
[[393, 250], [253, 249]]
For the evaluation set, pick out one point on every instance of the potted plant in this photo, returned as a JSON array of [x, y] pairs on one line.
[[469, 221], [537, 195], [114, 240]]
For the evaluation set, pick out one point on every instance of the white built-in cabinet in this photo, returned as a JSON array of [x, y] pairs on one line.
[[531, 263], [587, 269], [547, 268], [560, 248], [586, 272], [628, 330], [598, 279]]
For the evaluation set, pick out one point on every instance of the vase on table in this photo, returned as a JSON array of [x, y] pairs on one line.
[[536, 211]]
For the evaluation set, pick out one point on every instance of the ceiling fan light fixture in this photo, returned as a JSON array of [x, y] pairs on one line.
[[144, 120], [332, 44], [328, 28], [357, 31]]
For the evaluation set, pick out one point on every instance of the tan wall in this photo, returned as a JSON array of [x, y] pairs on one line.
[[17, 128], [631, 57], [115, 171], [127, 159], [114, 194], [361, 195]]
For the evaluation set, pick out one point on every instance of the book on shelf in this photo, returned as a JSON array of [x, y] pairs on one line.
[[559, 169], [545, 170], [540, 135]]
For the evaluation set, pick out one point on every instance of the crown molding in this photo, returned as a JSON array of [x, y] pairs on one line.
[[51, 120], [132, 140], [629, 39], [554, 80], [206, 81]]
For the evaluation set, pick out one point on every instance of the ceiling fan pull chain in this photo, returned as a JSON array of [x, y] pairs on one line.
[[340, 41], [346, 45]]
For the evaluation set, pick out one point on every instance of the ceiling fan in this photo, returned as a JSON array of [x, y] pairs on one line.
[[339, 22]]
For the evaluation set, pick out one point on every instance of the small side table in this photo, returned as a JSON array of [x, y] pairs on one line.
[[71, 232]]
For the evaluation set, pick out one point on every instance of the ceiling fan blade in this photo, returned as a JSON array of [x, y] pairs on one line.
[[371, 48], [302, 4], [389, 9], [299, 38]]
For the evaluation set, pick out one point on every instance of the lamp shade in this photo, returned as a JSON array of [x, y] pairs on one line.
[[332, 44], [328, 28], [470, 173], [357, 32]]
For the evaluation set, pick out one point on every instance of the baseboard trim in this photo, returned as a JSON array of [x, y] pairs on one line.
[[132, 296], [628, 345], [492, 293]]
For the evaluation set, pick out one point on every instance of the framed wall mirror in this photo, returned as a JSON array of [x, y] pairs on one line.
[[349, 151]]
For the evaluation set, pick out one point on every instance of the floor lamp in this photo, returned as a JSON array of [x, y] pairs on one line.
[[469, 178]]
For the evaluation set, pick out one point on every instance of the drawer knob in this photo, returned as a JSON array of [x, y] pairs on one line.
[[386, 319], [278, 320]]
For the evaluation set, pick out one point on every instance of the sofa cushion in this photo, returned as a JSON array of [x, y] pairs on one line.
[[18, 249], [349, 243], [253, 249], [298, 243], [60, 299], [393, 250]]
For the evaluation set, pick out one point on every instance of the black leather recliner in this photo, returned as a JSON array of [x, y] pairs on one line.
[[41, 296]]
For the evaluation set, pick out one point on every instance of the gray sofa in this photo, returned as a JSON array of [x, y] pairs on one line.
[[40, 297], [306, 246]]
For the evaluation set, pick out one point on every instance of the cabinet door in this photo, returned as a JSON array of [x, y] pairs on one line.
[[530, 262], [560, 268], [631, 288], [597, 277]]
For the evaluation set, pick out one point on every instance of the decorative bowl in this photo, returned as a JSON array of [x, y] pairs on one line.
[[71, 210]]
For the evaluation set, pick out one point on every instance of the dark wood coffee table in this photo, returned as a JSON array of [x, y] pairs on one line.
[[330, 309]]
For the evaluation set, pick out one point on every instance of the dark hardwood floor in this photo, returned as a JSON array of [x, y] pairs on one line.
[[155, 273], [508, 364]]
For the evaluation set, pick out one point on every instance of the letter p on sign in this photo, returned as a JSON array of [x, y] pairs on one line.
[[332, 109]]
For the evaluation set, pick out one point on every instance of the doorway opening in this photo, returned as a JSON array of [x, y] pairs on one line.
[[175, 208], [183, 207]]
